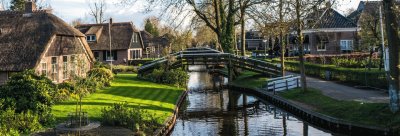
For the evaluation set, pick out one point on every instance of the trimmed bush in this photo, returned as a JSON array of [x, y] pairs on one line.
[[133, 118], [175, 77], [373, 78], [102, 76], [122, 68], [15, 123]]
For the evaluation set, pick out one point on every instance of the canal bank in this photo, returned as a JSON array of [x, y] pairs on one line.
[[323, 121]]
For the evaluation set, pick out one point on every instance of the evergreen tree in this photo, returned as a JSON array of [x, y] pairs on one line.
[[17, 5], [151, 28]]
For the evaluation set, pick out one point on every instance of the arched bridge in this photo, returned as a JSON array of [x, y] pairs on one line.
[[207, 56]]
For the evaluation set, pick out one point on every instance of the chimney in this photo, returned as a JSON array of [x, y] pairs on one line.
[[30, 6]]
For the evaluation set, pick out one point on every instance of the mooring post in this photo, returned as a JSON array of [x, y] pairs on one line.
[[230, 76]]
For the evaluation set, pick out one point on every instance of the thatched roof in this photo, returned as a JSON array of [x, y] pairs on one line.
[[121, 34], [150, 40], [24, 37]]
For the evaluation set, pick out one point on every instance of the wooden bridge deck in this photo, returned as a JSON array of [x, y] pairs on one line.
[[207, 56]]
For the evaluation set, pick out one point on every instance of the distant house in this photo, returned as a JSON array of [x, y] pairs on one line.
[[154, 46], [126, 42], [37, 39], [254, 41], [329, 32]]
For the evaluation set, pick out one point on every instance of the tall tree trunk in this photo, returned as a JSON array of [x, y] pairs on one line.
[[281, 37], [301, 48], [393, 41], [243, 33]]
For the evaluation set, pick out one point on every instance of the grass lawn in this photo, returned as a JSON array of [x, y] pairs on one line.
[[250, 79], [377, 114], [156, 98]]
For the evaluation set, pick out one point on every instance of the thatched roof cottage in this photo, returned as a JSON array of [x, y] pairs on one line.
[[39, 40], [126, 41]]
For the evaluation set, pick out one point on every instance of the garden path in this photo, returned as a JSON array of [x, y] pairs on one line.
[[343, 92]]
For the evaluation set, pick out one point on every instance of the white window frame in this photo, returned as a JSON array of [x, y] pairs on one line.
[[65, 68], [73, 62], [135, 54], [91, 38], [109, 56], [323, 43], [54, 69], [346, 46], [43, 70]]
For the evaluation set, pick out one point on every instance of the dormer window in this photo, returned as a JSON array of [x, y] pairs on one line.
[[91, 38]]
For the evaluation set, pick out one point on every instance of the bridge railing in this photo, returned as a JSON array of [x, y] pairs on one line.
[[209, 55]]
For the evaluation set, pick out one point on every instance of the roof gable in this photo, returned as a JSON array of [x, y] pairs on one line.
[[25, 37], [332, 19], [122, 35]]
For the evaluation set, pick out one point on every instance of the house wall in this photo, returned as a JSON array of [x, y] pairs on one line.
[[79, 67], [70, 47], [122, 57], [333, 45]]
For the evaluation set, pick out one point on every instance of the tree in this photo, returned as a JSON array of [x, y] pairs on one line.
[[17, 5], [218, 15], [151, 27], [97, 9], [205, 36], [392, 32]]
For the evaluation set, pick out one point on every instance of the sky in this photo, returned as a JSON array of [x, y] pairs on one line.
[[70, 10]]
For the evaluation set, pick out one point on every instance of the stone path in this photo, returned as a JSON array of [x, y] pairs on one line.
[[342, 92]]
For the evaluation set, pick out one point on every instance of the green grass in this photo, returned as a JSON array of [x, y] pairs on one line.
[[156, 98], [377, 114], [250, 79]]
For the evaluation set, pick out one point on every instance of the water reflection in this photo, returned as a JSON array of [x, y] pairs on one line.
[[210, 110]]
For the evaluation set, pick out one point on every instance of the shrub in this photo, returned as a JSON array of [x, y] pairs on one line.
[[102, 76], [25, 122], [27, 91], [355, 76], [132, 118], [176, 77], [123, 68]]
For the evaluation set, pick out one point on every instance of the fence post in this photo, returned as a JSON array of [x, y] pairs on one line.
[[274, 88], [297, 82], [287, 87]]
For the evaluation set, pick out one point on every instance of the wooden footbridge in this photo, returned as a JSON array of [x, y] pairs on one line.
[[211, 57]]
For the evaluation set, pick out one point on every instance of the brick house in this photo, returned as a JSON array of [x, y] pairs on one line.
[[126, 42], [39, 40], [329, 32]]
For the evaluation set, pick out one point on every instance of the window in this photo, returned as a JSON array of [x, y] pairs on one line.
[[346, 45], [135, 54], [54, 68], [65, 67], [73, 65], [107, 56], [91, 38], [322, 46], [44, 69], [96, 55]]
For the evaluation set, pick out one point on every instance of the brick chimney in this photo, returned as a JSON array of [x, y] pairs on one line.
[[30, 6]]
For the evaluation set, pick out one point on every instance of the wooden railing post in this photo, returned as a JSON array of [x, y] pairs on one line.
[[287, 86], [274, 87], [297, 82]]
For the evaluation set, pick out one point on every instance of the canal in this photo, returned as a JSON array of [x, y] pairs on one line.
[[210, 110]]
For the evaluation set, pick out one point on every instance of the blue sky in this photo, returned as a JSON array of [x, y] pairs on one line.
[[73, 9]]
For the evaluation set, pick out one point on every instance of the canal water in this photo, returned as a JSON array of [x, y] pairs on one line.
[[210, 110]]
